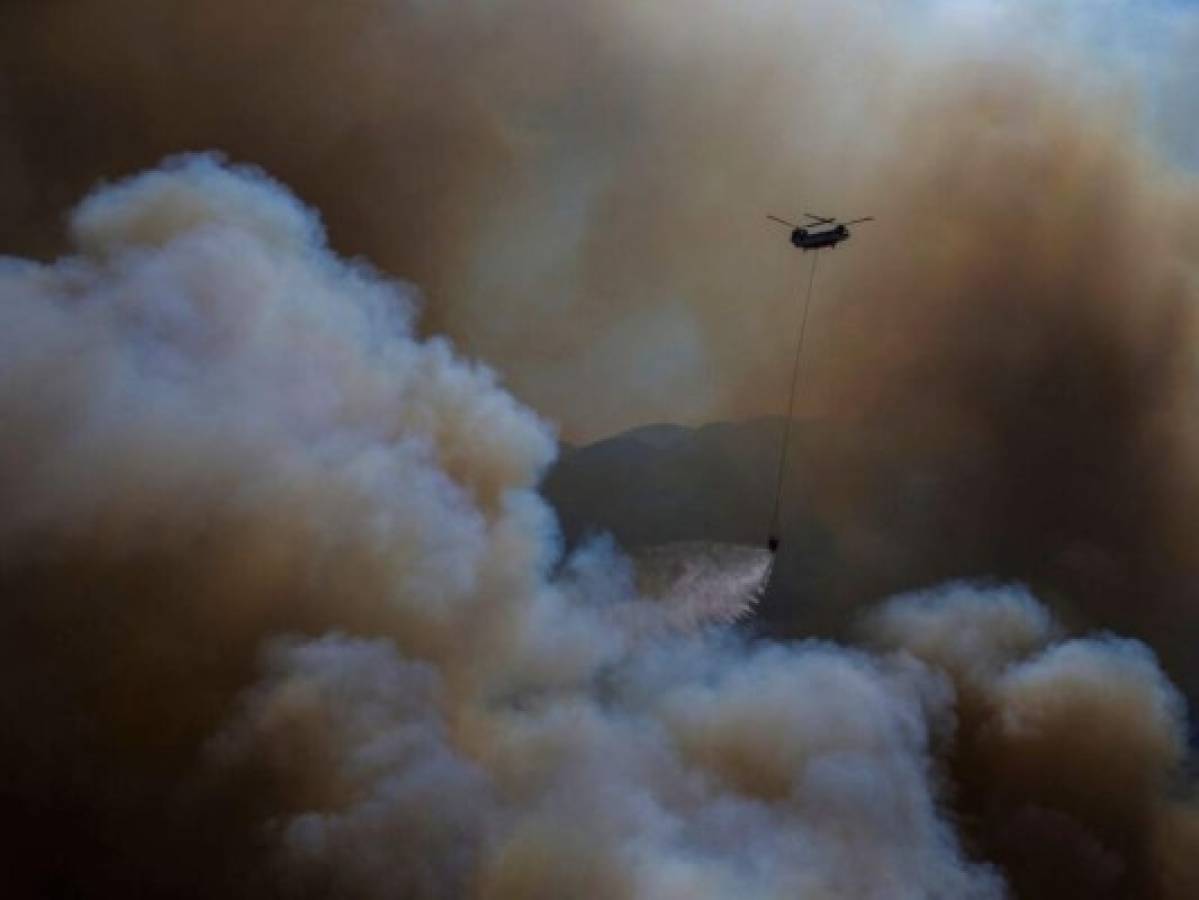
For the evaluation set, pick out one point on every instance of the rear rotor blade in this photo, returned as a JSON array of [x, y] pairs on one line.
[[821, 219], [783, 221], [856, 221]]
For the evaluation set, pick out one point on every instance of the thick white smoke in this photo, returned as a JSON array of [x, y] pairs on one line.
[[283, 613]]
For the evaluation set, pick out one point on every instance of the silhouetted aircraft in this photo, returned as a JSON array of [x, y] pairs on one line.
[[817, 235]]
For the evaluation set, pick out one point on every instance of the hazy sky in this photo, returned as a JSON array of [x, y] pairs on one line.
[[579, 194]]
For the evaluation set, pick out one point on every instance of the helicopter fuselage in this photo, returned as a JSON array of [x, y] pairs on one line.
[[814, 240]]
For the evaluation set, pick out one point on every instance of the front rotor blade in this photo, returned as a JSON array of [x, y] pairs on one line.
[[821, 219], [783, 222], [856, 221]]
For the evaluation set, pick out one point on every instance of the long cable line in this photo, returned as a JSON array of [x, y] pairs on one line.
[[772, 541]]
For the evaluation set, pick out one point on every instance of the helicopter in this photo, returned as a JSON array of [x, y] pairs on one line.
[[808, 239]]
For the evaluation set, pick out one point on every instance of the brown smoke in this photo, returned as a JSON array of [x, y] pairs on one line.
[[1065, 760], [283, 616], [598, 171], [1002, 357], [281, 611], [1013, 390]]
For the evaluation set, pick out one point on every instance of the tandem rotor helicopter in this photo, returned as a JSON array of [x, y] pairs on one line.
[[820, 233], [816, 235], [671, 571]]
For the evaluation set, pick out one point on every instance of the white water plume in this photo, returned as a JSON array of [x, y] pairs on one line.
[[704, 582]]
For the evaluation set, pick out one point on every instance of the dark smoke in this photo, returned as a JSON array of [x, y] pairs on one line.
[[580, 193], [597, 170], [283, 616], [1017, 386], [282, 612], [1066, 754]]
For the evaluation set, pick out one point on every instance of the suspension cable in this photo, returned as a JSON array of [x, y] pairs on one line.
[[772, 541]]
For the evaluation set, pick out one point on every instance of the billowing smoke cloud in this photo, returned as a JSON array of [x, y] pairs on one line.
[[283, 615], [1020, 401], [220, 433], [1001, 362], [274, 576], [1066, 754]]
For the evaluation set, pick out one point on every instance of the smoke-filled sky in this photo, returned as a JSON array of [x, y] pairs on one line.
[[284, 616], [580, 189], [281, 611]]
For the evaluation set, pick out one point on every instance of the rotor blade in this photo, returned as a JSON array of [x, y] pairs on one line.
[[856, 221], [821, 219], [783, 221]]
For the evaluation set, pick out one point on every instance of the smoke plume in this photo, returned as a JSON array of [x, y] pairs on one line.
[[283, 615], [600, 171], [1002, 356]]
